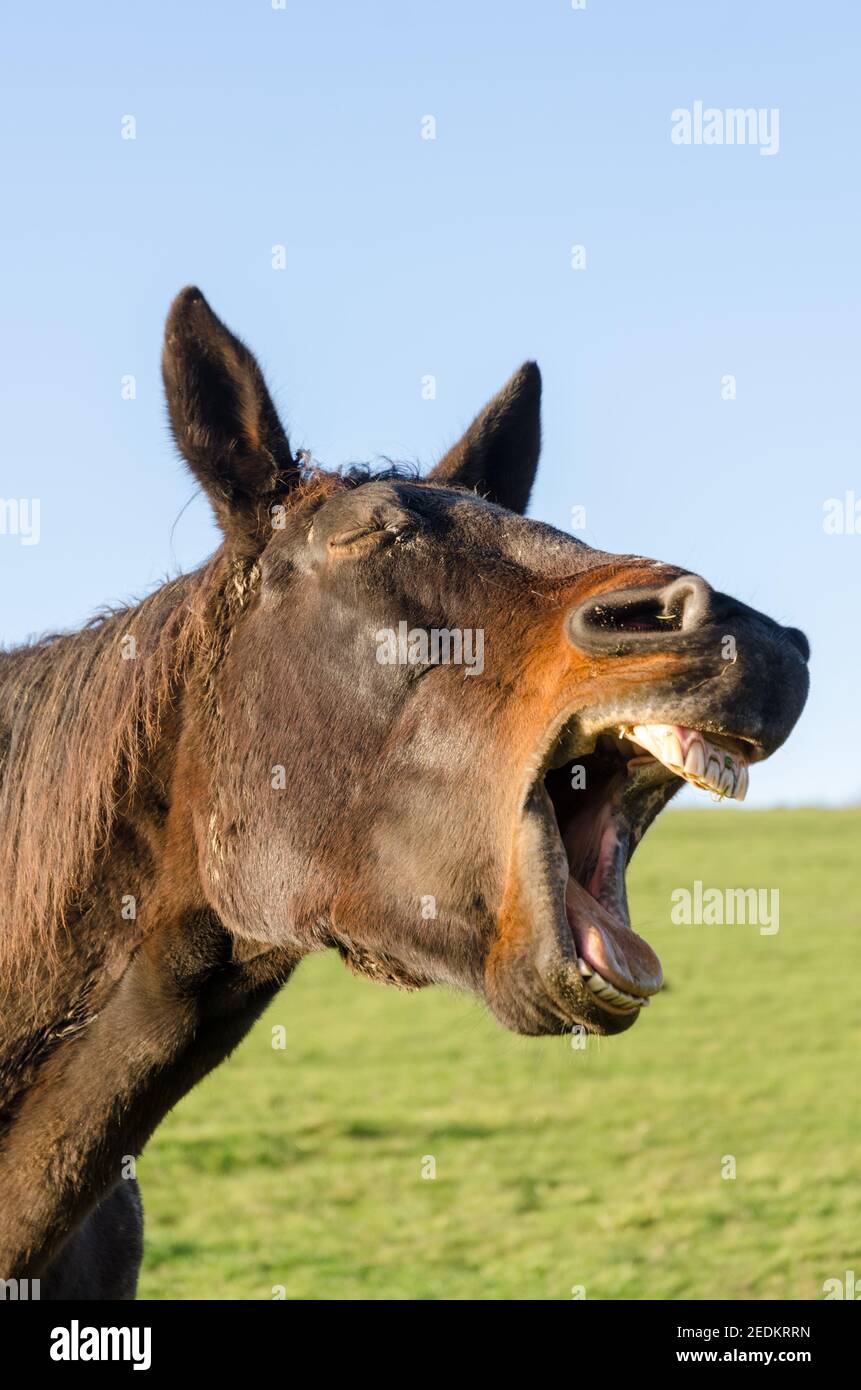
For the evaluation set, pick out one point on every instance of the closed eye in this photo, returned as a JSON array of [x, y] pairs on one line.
[[365, 539]]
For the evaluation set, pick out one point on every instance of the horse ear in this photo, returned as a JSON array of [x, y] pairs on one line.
[[222, 416], [498, 455]]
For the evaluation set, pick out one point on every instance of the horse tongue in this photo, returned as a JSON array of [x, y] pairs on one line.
[[609, 946]]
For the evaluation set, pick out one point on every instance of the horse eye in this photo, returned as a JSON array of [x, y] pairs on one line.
[[363, 540], [359, 542]]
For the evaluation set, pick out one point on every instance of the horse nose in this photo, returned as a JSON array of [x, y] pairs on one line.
[[635, 619], [798, 640]]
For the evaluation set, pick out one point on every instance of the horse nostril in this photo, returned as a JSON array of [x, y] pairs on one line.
[[798, 640], [635, 619], [688, 598]]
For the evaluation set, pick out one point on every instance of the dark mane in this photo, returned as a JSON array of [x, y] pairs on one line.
[[355, 474], [77, 719]]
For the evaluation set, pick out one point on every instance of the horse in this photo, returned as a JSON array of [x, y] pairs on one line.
[[294, 749]]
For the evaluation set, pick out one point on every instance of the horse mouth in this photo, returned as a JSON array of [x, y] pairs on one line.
[[598, 805]]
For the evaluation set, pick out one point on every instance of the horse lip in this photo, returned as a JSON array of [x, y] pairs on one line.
[[700, 704], [564, 736], [575, 729], [544, 876]]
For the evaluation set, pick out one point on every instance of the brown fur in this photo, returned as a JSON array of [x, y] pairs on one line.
[[149, 780]]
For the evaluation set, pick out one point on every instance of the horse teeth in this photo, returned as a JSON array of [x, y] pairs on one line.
[[727, 782], [607, 993], [705, 764], [695, 762], [673, 750]]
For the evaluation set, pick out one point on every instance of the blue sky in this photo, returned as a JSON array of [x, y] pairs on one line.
[[452, 257]]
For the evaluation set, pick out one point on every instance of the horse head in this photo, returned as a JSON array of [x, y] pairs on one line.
[[437, 730]]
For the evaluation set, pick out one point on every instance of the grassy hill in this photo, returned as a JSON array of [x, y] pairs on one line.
[[555, 1167]]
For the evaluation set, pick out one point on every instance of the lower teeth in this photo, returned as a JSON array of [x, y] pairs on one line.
[[607, 993]]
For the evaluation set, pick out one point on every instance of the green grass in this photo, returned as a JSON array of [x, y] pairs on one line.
[[554, 1167]]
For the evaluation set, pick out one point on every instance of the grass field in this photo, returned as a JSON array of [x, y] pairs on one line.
[[555, 1167]]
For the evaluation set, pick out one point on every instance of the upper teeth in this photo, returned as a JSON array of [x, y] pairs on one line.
[[607, 993], [689, 754]]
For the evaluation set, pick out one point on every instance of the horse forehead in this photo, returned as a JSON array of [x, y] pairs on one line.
[[531, 545], [469, 518], [462, 522], [358, 504]]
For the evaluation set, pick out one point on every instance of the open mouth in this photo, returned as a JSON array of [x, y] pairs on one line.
[[603, 802]]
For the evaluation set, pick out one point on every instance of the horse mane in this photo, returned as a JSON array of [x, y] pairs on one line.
[[78, 713], [78, 720]]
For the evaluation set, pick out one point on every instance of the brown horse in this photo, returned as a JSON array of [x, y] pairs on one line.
[[389, 716]]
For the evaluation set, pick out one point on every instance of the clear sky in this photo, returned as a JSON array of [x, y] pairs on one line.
[[406, 257]]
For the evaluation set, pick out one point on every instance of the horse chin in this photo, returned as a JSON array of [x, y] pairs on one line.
[[587, 809]]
